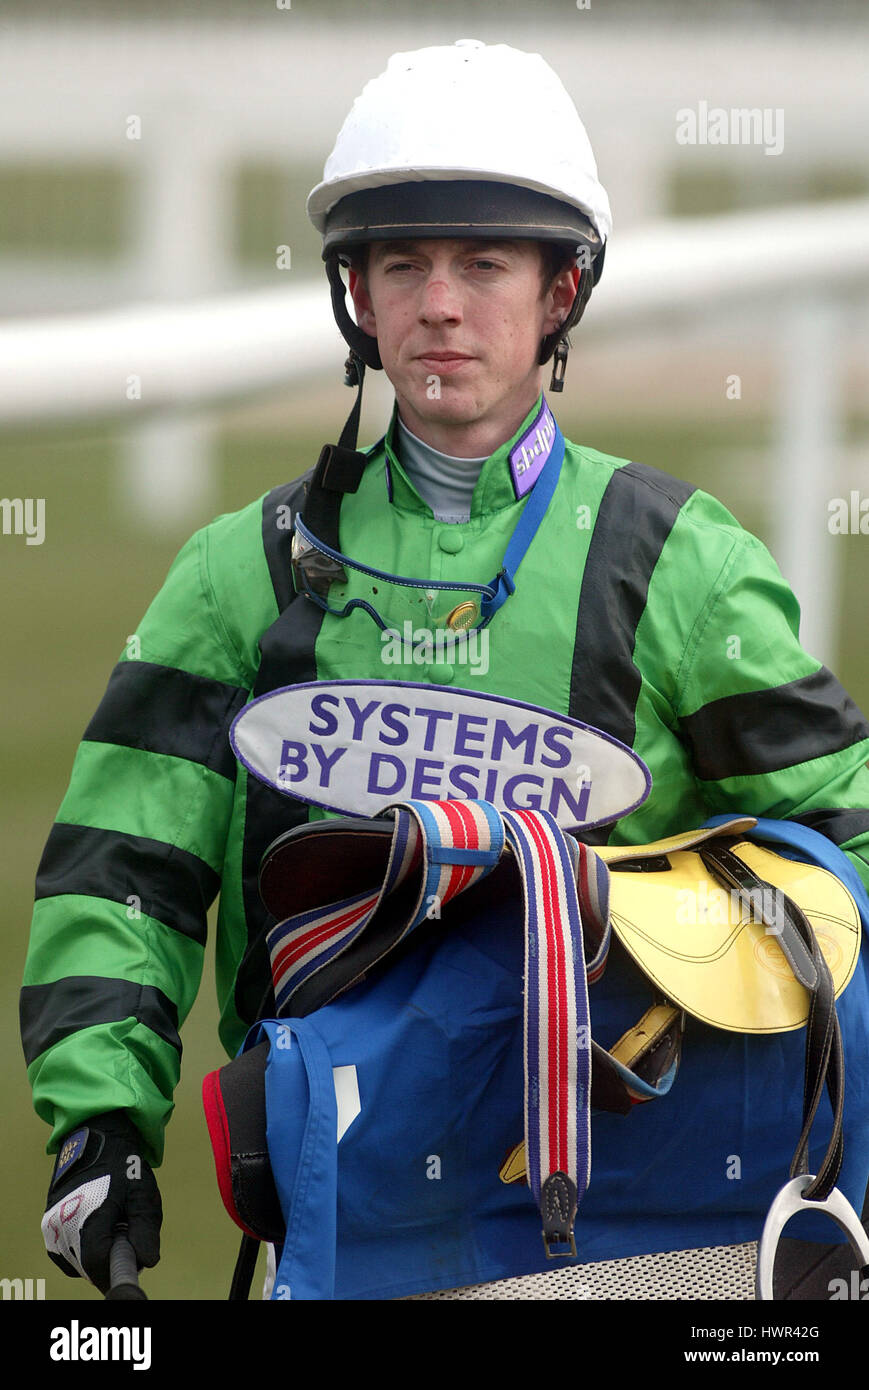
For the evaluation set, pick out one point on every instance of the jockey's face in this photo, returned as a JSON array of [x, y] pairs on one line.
[[459, 325]]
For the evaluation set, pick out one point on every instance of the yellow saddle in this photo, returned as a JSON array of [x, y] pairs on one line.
[[703, 914], [712, 946]]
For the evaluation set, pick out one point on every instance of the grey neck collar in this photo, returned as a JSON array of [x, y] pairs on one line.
[[445, 483]]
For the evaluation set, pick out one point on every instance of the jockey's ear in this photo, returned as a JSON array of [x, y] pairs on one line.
[[362, 303], [560, 295]]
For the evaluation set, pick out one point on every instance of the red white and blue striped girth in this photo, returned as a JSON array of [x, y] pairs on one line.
[[445, 847]]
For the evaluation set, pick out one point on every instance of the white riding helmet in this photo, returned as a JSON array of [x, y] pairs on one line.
[[469, 140]]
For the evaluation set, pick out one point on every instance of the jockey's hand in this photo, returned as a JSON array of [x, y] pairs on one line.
[[101, 1180]]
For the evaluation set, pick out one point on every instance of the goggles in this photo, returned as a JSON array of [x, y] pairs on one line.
[[435, 603], [432, 603]]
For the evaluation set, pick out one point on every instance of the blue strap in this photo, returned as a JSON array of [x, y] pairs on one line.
[[449, 854], [400, 579], [307, 1263], [526, 528]]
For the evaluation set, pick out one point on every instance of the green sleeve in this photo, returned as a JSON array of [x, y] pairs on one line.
[[771, 730], [132, 865]]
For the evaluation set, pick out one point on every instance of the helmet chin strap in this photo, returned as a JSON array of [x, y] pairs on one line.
[[339, 468], [362, 344], [558, 343], [354, 375]]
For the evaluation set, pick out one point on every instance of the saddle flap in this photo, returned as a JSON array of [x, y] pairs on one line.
[[707, 948], [314, 864]]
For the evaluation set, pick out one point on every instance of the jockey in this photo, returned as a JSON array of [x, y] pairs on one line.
[[463, 202]]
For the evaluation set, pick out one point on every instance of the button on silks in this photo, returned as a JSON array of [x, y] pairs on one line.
[[441, 674], [451, 542]]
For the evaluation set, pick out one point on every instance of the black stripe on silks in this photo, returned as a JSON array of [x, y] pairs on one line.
[[280, 507], [840, 826], [172, 885], [163, 710], [50, 1013], [287, 650], [287, 659], [636, 515], [767, 730]]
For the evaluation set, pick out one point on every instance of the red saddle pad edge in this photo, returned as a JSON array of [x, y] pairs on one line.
[[218, 1132]]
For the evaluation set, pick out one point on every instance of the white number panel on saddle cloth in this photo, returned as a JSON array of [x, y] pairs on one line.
[[356, 746]]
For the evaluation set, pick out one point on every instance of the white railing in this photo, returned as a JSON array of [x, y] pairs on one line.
[[804, 266], [201, 352], [163, 356]]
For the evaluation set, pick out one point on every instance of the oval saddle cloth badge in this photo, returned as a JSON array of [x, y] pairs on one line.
[[357, 746]]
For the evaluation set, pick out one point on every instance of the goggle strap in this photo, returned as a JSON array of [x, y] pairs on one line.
[[339, 468], [529, 522], [333, 553]]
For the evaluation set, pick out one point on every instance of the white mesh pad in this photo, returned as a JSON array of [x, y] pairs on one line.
[[715, 1272], [61, 1225]]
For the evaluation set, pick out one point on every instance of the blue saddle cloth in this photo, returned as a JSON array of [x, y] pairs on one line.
[[410, 1198]]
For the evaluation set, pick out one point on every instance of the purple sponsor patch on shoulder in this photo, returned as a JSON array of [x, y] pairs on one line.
[[531, 451]]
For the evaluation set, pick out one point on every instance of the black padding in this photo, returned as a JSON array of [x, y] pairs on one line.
[[455, 208], [242, 1089]]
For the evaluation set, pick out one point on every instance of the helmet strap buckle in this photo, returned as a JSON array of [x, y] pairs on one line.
[[559, 365], [354, 369]]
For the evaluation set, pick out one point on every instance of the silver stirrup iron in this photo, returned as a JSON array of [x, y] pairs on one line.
[[786, 1204]]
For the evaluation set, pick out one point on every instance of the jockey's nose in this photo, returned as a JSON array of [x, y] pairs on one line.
[[440, 299]]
